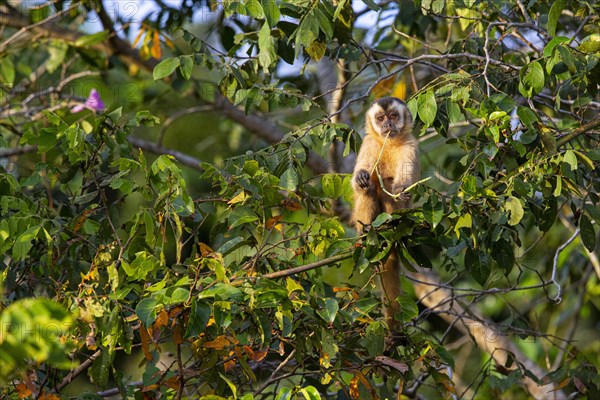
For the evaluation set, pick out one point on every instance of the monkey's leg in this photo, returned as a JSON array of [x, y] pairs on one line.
[[366, 208], [390, 290]]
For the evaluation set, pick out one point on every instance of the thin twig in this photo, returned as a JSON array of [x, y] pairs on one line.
[[272, 377], [558, 298], [178, 115]]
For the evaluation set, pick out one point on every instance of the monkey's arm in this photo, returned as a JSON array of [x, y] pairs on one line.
[[408, 169], [364, 164]]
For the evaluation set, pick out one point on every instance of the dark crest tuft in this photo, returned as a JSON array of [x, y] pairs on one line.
[[386, 102]]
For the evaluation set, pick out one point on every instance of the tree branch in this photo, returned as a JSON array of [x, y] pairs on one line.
[[6, 153], [77, 371], [486, 336], [184, 159], [263, 128], [581, 130]]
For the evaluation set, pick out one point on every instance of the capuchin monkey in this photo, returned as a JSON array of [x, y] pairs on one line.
[[390, 151]]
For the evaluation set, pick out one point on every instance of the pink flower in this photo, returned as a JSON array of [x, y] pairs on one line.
[[93, 103]]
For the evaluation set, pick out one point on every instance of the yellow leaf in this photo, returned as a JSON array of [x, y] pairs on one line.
[[138, 37], [239, 198], [354, 393], [49, 397], [23, 391], [229, 364], [400, 90], [133, 69], [168, 42], [384, 88], [156, 50], [341, 289], [161, 320], [292, 205], [221, 342], [260, 354], [145, 337], [272, 222], [205, 249]]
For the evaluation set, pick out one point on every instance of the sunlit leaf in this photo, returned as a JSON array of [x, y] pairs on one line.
[[165, 68]]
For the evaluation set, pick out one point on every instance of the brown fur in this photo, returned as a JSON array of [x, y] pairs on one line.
[[399, 167]]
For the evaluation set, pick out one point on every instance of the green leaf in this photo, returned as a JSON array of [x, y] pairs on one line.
[[266, 44], [549, 49], [310, 393], [427, 107], [437, 6], [289, 180], [478, 264], [241, 215], [464, 221], [513, 205], [332, 185], [570, 158], [329, 311], [23, 244], [532, 79], [99, 371], [527, 116], [231, 245], [554, 14], [165, 68], [146, 311], [316, 50], [372, 5], [141, 266], [585, 160], [186, 65], [284, 393], [255, 9], [381, 219], [566, 56], [469, 185], [374, 338], [7, 71], [587, 232], [179, 296], [308, 31], [504, 255], [408, 309], [329, 348], [591, 46], [57, 51], [271, 11], [445, 356], [433, 213], [558, 188], [231, 385], [325, 23]]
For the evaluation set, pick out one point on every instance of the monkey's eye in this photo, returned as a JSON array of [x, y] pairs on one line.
[[380, 118], [393, 117]]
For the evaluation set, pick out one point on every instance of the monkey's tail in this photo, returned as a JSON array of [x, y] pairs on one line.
[[391, 289]]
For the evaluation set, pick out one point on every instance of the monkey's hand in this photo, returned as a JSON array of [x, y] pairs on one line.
[[363, 179], [398, 190]]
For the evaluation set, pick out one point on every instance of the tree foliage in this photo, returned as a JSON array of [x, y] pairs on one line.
[[240, 277]]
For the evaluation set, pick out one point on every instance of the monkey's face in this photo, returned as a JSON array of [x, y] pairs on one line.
[[389, 116]]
